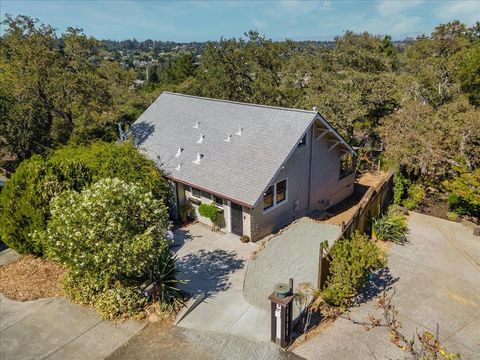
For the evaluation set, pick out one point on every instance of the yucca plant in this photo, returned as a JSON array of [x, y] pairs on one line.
[[390, 227], [164, 274]]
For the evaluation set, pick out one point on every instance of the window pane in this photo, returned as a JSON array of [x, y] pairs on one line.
[[347, 165], [196, 192], [268, 198], [281, 191], [206, 194], [218, 201]]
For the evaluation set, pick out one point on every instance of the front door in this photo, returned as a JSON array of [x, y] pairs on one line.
[[236, 218]]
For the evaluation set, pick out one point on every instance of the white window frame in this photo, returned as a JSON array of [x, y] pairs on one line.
[[275, 204]]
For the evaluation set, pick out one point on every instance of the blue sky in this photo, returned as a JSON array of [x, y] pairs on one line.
[[209, 20]]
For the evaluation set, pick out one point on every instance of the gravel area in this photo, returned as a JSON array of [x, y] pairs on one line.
[[293, 253]]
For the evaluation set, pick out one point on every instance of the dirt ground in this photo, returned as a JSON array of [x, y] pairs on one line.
[[31, 278], [343, 211]]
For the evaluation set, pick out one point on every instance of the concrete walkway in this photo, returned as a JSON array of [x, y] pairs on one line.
[[56, 329], [53, 328], [215, 262], [437, 280]]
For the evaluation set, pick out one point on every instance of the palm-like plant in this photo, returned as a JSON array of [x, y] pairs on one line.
[[390, 227], [164, 274]]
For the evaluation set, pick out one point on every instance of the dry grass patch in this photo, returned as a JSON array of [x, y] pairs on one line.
[[31, 278]]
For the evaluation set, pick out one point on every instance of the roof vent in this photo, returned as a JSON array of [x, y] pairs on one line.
[[229, 136], [199, 141], [196, 125], [314, 108], [239, 132], [179, 166], [198, 158], [179, 151]]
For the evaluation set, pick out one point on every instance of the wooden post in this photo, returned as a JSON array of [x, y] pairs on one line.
[[320, 266]]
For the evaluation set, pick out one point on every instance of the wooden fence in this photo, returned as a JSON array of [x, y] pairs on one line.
[[373, 203]]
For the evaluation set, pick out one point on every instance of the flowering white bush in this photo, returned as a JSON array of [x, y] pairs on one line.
[[109, 234], [112, 229]]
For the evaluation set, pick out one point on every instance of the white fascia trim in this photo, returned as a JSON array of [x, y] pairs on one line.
[[340, 138]]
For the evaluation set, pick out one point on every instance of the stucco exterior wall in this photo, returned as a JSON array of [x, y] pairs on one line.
[[222, 224], [325, 185]]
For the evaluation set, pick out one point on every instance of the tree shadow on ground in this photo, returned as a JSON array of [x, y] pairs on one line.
[[180, 238], [379, 281], [140, 132], [208, 271]]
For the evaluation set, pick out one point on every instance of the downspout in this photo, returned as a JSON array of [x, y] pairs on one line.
[[310, 166]]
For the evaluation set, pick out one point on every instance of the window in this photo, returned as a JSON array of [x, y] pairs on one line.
[[275, 195], [206, 194], [303, 141], [196, 193], [281, 191], [268, 198], [218, 201], [347, 165]]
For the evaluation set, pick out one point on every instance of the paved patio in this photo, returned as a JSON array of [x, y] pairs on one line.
[[436, 276]]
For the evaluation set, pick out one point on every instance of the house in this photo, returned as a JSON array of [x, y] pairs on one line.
[[263, 166]]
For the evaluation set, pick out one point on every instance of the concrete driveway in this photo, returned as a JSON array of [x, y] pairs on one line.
[[437, 280], [292, 253], [53, 328], [215, 262]]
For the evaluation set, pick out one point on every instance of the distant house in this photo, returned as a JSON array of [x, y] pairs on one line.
[[263, 166]]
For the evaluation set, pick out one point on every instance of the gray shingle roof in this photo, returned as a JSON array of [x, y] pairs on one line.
[[240, 169]]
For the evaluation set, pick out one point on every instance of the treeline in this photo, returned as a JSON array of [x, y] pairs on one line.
[[412, 105]]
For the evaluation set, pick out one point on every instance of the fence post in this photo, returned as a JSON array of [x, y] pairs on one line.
[[320, 266]]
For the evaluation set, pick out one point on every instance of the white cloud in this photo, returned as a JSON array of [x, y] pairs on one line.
[[391, 7], [464, 10]]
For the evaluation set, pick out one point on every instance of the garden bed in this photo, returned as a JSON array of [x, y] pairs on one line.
[[31, 278]]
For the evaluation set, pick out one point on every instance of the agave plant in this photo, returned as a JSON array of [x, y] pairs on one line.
[[390, 227]]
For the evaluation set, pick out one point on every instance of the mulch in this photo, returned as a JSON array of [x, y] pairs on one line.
[[31, 278]]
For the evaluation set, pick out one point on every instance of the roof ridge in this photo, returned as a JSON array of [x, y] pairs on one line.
[[240, 103]]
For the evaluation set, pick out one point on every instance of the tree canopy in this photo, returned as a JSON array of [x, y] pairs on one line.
[[417, 99]]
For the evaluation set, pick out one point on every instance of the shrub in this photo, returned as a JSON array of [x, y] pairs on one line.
[[111, 234], [25, 200], [119, 302], [390, 227], [210, 211], [464, 198], [400, 188], [122, 161], [112, 229], [352, 260], [244, 239], [26, 197], [416, 194], [164, 273], [185, 211]]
